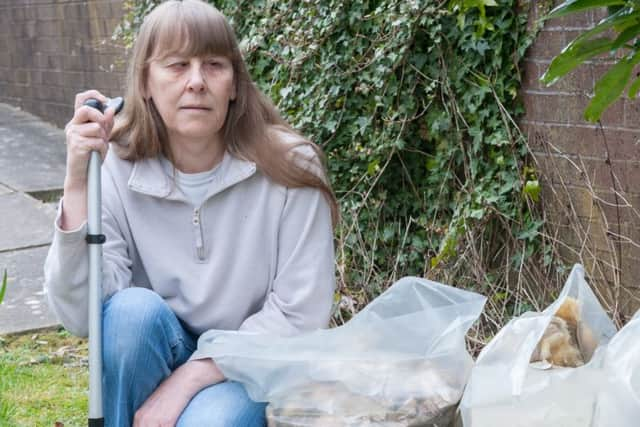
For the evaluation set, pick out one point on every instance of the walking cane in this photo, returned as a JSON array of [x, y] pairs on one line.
[[95, 239]]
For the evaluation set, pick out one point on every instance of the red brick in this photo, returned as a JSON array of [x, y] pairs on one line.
[[599, 14], [73, 63], [554, 108], [29, 29], [21, 76], [629, 302], [530, 76], [583, 20], [17, 14], [35, 76], [581, 172], [632, 177], [73, 79], [565, 108], [75, 11], [53, 77], [632, 113], [49, 12], [49, 45], [602, 269], [73, 28], [623, 143], [568, 139], [537, 136], [547, 45], [69, 95], [48, 28], [580, 80], [616, 207], [630, 281], [30, 13]]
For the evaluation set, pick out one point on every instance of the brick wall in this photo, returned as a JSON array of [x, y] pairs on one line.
[[590, 174], [52, 49]]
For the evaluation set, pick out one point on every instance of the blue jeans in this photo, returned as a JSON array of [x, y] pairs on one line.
[[143, 342]]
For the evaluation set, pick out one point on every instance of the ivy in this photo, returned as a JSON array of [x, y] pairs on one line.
[[414, 102]]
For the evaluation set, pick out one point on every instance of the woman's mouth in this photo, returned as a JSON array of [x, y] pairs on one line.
[[195, 108]]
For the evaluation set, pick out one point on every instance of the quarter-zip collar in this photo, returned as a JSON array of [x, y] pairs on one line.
[[148, 177]]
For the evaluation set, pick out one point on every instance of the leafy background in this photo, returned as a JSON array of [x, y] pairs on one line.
[[415, 104], [616, 34]]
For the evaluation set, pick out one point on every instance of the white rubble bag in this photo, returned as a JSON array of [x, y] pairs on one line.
[[619, 397], [401, 361], [508, 389]]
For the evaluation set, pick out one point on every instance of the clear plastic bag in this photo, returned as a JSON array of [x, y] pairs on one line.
[[506, 389], [401, 361], [618, 402]]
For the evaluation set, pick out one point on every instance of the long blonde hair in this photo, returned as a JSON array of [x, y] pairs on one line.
[[253, 129]]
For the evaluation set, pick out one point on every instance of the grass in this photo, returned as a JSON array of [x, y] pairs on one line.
[[3, 286], [43, 379]]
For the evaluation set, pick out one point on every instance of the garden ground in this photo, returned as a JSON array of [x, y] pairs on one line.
[[43, 379]]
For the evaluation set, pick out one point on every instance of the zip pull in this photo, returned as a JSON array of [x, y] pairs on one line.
[[199, 238]]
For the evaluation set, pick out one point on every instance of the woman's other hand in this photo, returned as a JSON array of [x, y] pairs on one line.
[[164, 406]]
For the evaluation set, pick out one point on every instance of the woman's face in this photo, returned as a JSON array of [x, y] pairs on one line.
[[192, 95]]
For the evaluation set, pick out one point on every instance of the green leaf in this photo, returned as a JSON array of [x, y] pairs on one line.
[[373, 167], [620, 21], [477, 213], [532, 189], [499, 296], [3, 287], [570, 58], [531, 232], [634, 88], [431, 164], [572, 6], [447, 246], [362, 122], [610, 86], [479, 3], [628, 34]]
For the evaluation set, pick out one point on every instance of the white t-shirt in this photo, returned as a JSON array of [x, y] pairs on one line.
[[193, 185]]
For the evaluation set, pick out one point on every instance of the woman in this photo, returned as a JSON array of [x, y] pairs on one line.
[[217, 216]]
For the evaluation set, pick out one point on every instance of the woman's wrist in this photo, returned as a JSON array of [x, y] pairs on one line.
[[201, 373], [74, 206], [74, 186]]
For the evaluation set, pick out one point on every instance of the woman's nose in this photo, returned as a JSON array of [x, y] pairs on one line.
[[196, 80]]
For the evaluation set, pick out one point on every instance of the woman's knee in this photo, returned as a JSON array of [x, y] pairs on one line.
[[223, 405], [133, 307], [131, 318]]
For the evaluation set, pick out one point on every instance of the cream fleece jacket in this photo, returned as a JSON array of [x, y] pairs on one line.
[[256, 256]]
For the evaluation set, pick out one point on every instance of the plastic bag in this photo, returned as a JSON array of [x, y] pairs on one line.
[[505, 389], [401, 361], [618, 402]]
